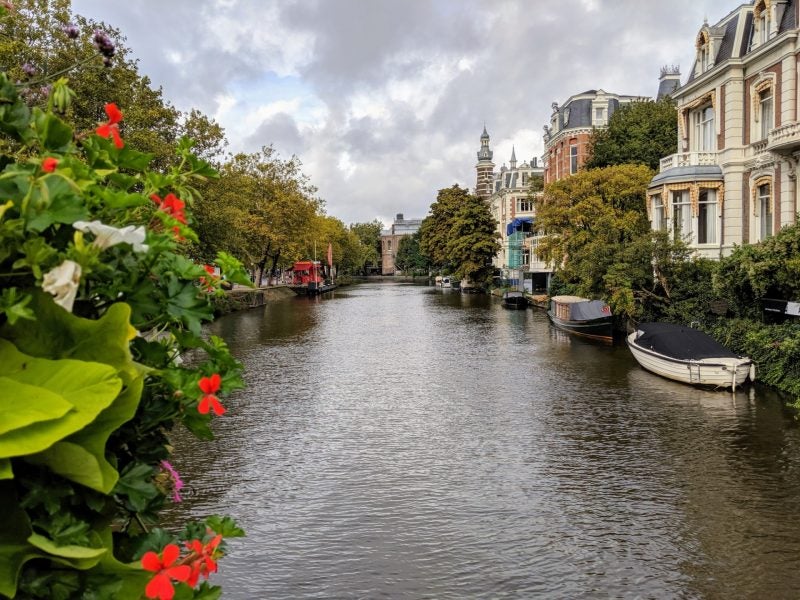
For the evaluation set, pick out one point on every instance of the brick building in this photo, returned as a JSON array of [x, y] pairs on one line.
[[390, 241]]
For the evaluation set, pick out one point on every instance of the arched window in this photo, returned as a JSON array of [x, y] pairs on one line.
[[761, 22], [764, 209], [763, 108], [703, 45]]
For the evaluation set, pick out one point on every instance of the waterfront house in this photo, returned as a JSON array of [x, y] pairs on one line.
[[734, 178]]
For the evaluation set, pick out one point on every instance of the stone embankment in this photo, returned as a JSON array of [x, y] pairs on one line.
[[242, 298]]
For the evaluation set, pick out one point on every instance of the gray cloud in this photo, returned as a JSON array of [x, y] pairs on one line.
[[391, 97]]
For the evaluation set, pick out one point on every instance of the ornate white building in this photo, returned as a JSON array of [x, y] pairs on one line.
[[734, 178]]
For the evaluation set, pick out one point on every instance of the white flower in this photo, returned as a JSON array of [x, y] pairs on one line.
[[106, 236], [62, 282]]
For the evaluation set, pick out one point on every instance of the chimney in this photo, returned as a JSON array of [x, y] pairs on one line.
[[399, 217], [534, 162]]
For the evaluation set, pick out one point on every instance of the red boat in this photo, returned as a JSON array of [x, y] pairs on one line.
[[308, 278]]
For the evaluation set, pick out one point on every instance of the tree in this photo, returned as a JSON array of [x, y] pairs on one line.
[[641, 132], [597, 233], [370, 236], [460, 235], [409, 258]]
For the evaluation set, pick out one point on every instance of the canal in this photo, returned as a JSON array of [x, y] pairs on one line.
[[401, 441]]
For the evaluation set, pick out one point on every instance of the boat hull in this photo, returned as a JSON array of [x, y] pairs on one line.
[[597, 329], [515, 303], [311, 289], [721, 372]]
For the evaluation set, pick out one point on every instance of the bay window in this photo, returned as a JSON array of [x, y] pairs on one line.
[[682, 216], [659, 213]]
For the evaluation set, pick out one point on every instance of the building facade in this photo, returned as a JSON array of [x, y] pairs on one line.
[[734, 179], [566, 138], [508, 194], [390, 241]]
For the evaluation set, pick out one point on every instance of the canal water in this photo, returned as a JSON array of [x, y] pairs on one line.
[[402, 441]]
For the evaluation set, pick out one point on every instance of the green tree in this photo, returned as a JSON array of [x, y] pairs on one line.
[[597, 232], [370, 236], [459, 235], [641, 132], [409, 258]]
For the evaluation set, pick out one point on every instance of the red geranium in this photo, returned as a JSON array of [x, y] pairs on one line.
[[111, 127], [49, 164], [210, 386], [160, 586], [208, 283], [205, 563], [172, 205]]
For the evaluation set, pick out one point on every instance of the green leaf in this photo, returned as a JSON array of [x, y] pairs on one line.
[[119, 200], [59, 334], [55, 134], [133, 160], [225, 526], [89, 387], [232, 269], [136, 483], [14, 306], [6, 471], [81, 457], [55, 200], [79, 557], [185, 302], [14, 547], [37, 252], [39, 405]]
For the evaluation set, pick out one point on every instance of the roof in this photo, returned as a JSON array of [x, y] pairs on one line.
[[696, 173]]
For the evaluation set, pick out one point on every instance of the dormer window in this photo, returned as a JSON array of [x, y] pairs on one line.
[[761, 23], [703, 45]]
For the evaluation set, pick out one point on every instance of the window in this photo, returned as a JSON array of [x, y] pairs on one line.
[[573, 159], [659, 214], [765, 111], [761, 26], [526, 256], [524, 179], [765, 210], [703, 58], [389, 245], [524, 205], [703, 125], [707, 217], [682, 215], [599, 116]]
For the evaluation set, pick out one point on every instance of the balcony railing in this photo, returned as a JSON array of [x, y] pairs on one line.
[[785, 137], [688, 159]]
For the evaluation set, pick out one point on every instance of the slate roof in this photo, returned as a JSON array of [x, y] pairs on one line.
[[748, 33], [696, 173], [666, 87], [726, 46]]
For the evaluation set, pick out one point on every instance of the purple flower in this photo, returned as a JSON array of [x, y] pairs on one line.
[[103, 43], [29, 69], [71, 30], [177, 483]]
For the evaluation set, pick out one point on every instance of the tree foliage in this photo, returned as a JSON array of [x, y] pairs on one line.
[[641, 132], [459, 235], [597, 233], [409, 258], [369, 234]]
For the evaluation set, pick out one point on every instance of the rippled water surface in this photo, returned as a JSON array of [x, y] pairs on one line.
[[400, 441]]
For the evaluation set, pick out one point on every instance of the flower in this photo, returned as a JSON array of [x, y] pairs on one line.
[[172, 205], [160, 586], [111, 127], [206, 562], [62, 282], [103, 43], [106, 236], [177, 482], [210, 386], [71, 30], [49, 164], [29, 69], [208, 284]]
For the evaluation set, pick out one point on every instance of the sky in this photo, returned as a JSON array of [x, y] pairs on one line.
[[384, 101]]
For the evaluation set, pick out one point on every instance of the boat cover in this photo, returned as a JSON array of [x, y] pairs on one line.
[[681, 342], [589, 310]]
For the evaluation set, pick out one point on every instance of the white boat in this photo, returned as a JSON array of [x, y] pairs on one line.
[[446, 282], [688, 355]]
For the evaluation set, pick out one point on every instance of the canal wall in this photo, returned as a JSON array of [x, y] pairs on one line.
[[246, 298]]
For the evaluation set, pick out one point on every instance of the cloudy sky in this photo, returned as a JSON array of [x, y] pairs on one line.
[[384, 101]]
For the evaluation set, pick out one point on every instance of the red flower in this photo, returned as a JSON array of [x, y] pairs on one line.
[[209, 386], [205, 563], [49, 164], [172, 205], [111, 127], [209, 285], [160, 586]]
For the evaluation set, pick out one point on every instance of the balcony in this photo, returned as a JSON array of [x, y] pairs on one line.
[[688, 159], [784, 138]]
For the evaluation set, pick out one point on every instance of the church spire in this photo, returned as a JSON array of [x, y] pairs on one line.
[[513, 161], [484, 154], [484, 168]]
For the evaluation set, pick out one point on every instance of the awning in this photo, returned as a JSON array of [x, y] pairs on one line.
[[304, 265], [520, 224]]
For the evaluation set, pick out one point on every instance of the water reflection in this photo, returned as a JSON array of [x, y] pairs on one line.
[[404, 441]]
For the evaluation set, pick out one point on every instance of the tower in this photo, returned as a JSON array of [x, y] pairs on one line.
[[485, 168]]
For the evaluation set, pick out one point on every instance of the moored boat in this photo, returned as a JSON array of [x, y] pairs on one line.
[[581, 316], [688, 355], [308, 280], [514, 300]]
